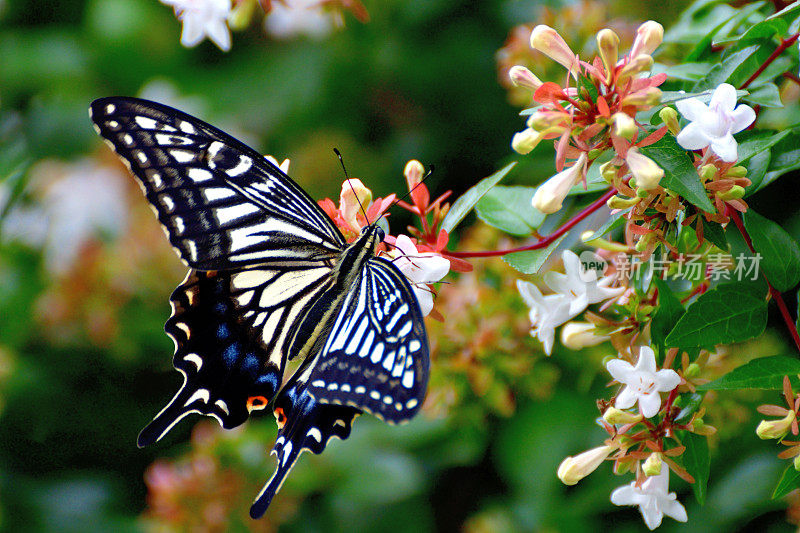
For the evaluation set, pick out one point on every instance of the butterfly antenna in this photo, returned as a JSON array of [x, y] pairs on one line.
[[347, 177], [406, 195]]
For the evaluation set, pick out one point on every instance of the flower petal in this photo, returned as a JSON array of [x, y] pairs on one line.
[[742, 117], [691, 108], [692, 137], [530, 293], [726, 148], [647, 360], [649, 404], [626, 495], [627, 398], [651, 513], [620, 370], [724, 98], [667, 379], [674, 509], [425, 300]]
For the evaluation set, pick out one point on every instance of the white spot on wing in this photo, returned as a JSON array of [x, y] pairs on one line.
[[200, 394], [182, 156], [198, 175], [191, 357], [186, 127], [241, 167], [146, 123], [223, 406], [212, 194], [315, 434], [110, 108]]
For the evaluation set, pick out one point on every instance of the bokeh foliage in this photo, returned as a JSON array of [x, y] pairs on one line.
[[84, 362]]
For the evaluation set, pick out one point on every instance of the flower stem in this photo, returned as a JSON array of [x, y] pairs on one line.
[[776, 295], [545, 241], [785, 43]]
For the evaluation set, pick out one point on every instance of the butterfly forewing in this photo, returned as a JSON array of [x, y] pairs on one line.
[[376, 357], [221, 203], [231, 332]]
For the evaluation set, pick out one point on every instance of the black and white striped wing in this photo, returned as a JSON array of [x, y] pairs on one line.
[[376, 357], [231, 331], [221, 203]]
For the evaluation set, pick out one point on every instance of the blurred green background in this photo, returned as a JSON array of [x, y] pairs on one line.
[[85, 273]]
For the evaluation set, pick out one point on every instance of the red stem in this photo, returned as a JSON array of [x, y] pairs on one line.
[[776, 295], [545, 241], [785, 43]]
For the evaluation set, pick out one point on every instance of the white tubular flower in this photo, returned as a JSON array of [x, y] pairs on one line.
[[421, 268], [550, 43], [526, 140], [642, 382], [714, 124], [573, 469], [201, 19], [579, 335], [580, 287], [652, 498], [550, 195], [647, 173], [523, 77], [648, 37], [298, 17], [546, 313]]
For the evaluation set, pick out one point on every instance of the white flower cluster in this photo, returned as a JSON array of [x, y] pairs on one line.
[[573, 292]]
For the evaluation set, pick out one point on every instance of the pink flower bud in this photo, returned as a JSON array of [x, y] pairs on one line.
[[550, 43], [353, 193], [608, 48], [550, 195], [525, 141], [647, 173], [573, 469], [637, 64], [413, 173], [522, 77], [646, 97], [624, 126], [648, 38]]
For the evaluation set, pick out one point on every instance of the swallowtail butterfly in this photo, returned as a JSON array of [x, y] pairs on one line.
[[271, 278]]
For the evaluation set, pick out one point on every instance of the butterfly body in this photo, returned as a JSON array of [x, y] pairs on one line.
[[271, 279]]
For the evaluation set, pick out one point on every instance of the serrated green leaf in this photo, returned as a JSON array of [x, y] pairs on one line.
[[729, 313], [721, 72], [766, 95], [790, 480], [680, 176], [780, 253], [531, 261], [696, 461], [763, 373], [467, 201], [509, 209], [753, 142], [669, 312]]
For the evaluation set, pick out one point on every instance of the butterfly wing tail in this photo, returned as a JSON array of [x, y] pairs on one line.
[[306, 425], [176, 409]]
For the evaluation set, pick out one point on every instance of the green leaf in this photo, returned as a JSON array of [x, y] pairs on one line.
[[613, 222], [780, 253], [683, 72], [670, 97], [730, 313], [692, 403], [509, 209], [733, 18], [531, 261], [763, 373], [467, 201], [724, 70], [756, 170], [714, 233], [776, 24], [766, 95], [680, 176], [669, 311], [697, 463], [753, 142], [789, 481], [585, 84]]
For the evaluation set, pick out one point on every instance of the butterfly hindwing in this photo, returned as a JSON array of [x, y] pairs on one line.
[[304, 424], [221, 203], [376, 357], [231, 333]]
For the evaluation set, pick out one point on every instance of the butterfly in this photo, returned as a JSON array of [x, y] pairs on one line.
[[271, 279]]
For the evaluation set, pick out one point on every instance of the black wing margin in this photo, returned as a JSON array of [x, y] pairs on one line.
[[376, 357], [221, 203]]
